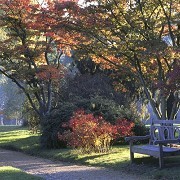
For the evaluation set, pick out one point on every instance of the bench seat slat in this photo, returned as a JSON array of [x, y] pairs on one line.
[[153, 150], [166, 122], [156, 148]]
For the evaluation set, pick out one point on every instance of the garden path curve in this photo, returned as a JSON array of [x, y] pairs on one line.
[[50, 170]]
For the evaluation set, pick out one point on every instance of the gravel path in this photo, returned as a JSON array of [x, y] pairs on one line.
[[59, 170]]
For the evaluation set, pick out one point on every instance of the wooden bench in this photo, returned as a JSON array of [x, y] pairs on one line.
[[164, 140]]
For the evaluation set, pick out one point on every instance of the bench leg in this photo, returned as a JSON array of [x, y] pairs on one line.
[[131, 157], [131, 153], [161, 160]]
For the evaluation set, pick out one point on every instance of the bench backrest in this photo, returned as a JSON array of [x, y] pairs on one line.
[[164, 130]]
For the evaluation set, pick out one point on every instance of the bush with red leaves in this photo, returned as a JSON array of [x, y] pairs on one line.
[[93, 134]]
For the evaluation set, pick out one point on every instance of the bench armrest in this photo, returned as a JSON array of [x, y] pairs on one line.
[[137, 138], [168, 141]]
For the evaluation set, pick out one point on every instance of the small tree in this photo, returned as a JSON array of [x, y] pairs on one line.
[[30, 51]]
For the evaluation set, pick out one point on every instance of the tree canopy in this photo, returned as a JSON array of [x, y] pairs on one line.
[[139, 39]]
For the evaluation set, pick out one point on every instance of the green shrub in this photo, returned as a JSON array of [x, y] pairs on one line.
[[98, 106], [52, 125]]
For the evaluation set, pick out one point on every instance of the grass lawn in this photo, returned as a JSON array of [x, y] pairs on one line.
[[21, 139], [11, 173]]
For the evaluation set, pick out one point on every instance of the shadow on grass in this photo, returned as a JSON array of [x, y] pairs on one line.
[[118, 159], [10, 128], [170, 162], [29, 145]]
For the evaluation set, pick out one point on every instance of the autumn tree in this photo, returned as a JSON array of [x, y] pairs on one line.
[[31, 48], [138, 38]]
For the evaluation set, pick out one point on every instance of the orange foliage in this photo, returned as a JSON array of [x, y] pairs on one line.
[[47, 72]]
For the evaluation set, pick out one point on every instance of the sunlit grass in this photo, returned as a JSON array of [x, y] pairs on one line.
[[11, 173], [21, 139], [14, 137]]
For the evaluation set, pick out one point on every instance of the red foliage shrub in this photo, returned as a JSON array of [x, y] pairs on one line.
[[93, 134], [124, 127]]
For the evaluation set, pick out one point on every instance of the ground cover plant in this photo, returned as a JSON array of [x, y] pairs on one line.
[[21, 139], [10, 173]]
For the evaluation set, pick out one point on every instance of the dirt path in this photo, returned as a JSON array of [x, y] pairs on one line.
[[59, 170]]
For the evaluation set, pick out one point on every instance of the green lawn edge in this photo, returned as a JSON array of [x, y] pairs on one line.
[[11, 173]]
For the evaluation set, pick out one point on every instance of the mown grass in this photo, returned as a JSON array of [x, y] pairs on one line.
[[16, 138], [11, 173], [21, 139]]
